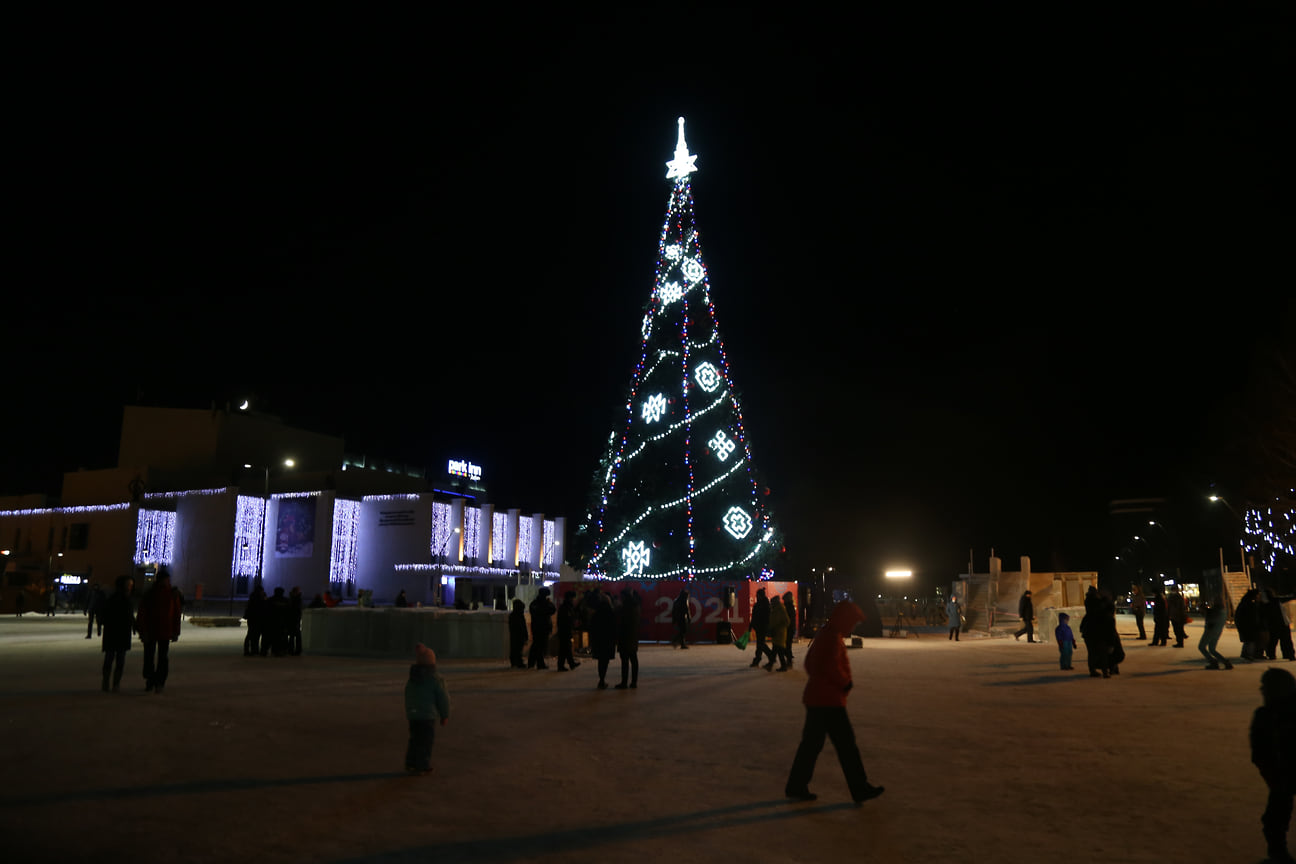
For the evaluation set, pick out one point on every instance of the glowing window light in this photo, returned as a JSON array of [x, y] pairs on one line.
[[707, 377], [898, 574], [737, 522], [636, 557], [548, 543], [154, 536], [441, 528], [524, 537], [499, 528], [249, 537], [472, 531], [654, 407], [721, 445], [343, 557]]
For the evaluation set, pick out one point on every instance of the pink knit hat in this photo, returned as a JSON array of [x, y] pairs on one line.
[[424, 655]]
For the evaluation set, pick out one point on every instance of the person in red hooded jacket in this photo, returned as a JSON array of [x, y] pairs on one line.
[[829, 670], [158, 624]]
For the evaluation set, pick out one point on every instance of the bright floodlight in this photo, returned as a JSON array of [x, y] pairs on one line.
[[898, 574]]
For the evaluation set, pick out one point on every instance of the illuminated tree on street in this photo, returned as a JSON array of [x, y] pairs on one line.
[[677, 494]]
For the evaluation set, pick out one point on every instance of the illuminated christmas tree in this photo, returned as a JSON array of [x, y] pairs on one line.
[[677, 496]]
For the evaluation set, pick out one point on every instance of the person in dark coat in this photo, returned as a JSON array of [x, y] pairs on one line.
[[1275, 624], [829, 672], [275, 638], [542, 612], [1177, 612], [1026, 611], [681, 617], [790, 604], [1160, 620], [566, 628], [1247, 619], [158, 623], [1138, 605], [401, 600], [628, 637], [255, 615], [295, 621], [1273, 751], [1096, 636], [603, 635], [517, 633], [117, 620], [760, 622], [94, 609]]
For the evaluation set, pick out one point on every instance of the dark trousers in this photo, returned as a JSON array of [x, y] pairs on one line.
[[115, 662], [565, 658], [90, 625], [602, 668], [1138, 619], [294, 642], [762, 649], [157, 661], [1160, 631], [1180, 633], [252, 641], [418, 755], [681, 636], [515, 651], [830, 722], [630, 667], [1277, 819], [1028, 627], [784, 655], [953, 634], [539, 642]]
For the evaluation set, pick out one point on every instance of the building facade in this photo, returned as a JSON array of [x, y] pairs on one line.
[[222, 499]]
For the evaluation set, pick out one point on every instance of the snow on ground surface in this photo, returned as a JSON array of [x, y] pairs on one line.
[[987, 750]]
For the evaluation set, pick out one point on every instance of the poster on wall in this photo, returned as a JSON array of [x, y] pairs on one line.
[[295, 528]]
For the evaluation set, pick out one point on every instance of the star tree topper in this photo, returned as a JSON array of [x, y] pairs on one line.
[[682, 165]]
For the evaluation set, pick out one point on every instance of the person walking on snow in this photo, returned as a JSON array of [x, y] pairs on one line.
[[824, 697], [1026, 610]]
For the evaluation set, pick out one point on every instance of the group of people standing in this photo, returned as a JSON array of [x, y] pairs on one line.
[[612, 624], [273, 623]]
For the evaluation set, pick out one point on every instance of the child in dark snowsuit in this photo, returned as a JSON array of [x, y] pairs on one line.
[[517, 634], [1065, 640], [426, 702], [1273, 750]]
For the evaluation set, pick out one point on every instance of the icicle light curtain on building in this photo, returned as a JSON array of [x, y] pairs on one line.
[[679, 497]]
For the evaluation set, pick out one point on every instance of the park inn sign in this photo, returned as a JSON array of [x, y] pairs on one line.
[[464, 468]]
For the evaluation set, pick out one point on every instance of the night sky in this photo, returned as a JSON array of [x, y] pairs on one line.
[[976, 277]]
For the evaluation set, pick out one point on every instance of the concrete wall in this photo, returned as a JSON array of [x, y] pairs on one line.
[[392, 632]]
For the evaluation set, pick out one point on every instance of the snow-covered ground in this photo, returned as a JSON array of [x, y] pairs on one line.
[[987, 750]]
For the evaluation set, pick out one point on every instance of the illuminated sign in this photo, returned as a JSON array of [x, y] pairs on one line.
[[464, 468]]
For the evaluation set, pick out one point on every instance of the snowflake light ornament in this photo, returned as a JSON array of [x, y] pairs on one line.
[[636, 557], [674, 251], [707, 377], [692, 270], [654, 407], [722, 444], [737, 523], [670, 292]]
